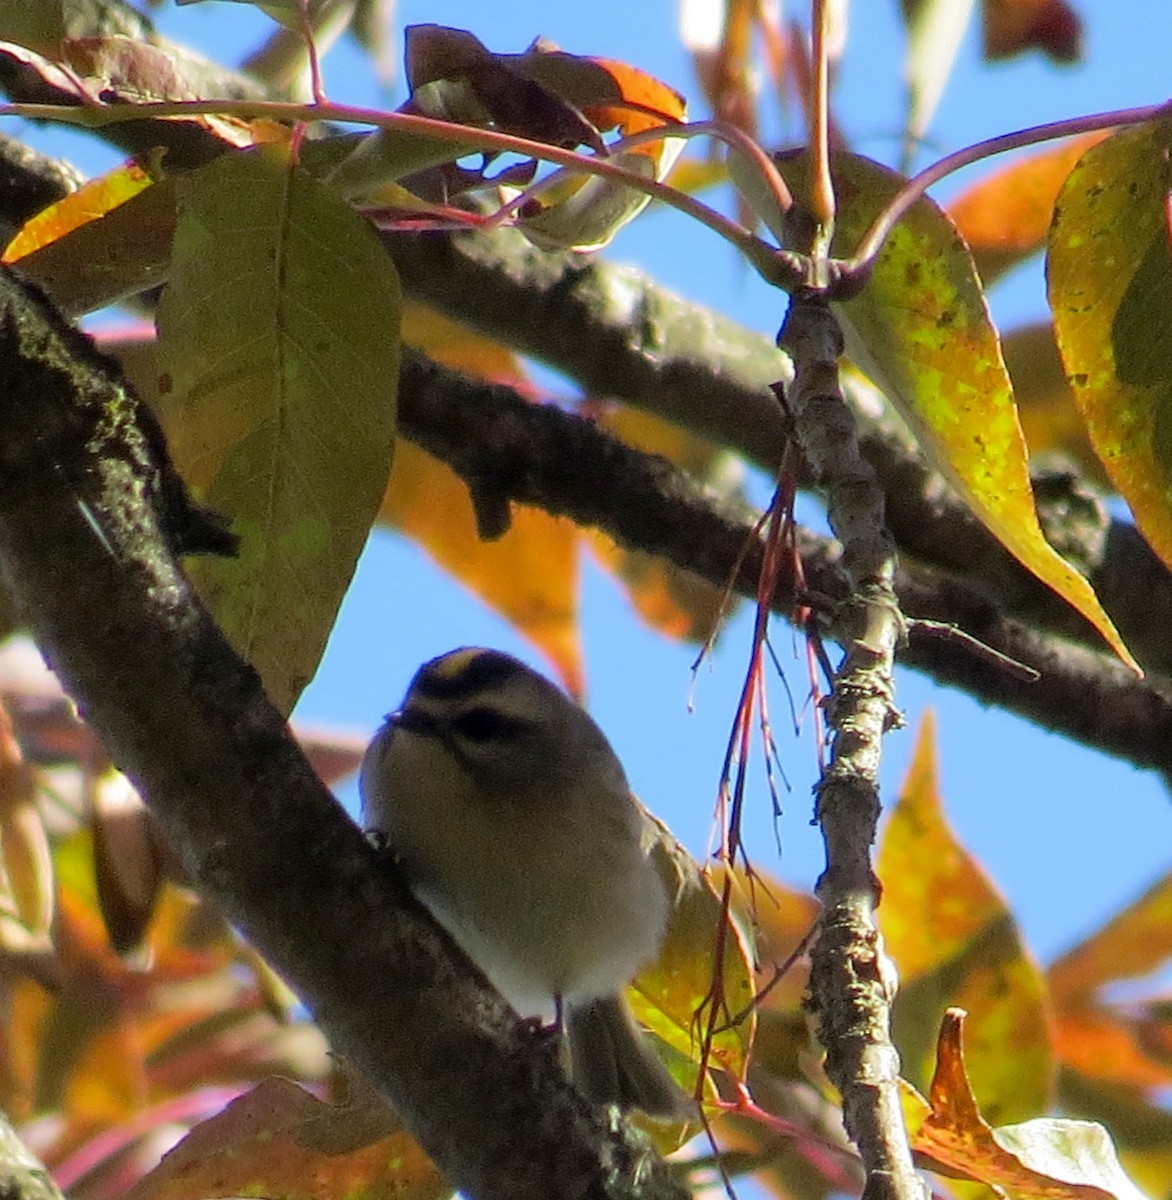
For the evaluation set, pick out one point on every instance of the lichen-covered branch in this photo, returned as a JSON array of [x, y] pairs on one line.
[[852, 983]]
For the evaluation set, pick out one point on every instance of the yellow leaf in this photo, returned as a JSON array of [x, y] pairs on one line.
[[954, 942], [91, 201], [921, 329], [1109, 273]]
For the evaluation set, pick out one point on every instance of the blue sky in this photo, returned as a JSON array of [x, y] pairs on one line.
[[1068, 834]]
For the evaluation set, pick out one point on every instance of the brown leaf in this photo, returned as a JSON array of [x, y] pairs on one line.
[[956, 1139], [1014, 26], [279, 1140], [453, 75]]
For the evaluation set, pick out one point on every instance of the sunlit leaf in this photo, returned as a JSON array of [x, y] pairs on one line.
[[1043, 1159], [1109, 272], [1132, 944], [279, 338], [530, 575], [587, 212], [719, 36], [1129, 1044], [780, 918], [1141, 1127], [27, 888], [954, 942], [278, 1140], [684, 979], [693, 175], [921, 330], [125, 252], [463, 349], [1006, 216], [92, 200], [1012, 26]]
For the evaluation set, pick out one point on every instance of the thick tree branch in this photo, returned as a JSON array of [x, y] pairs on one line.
[[617, 333], [510, 450], [86, 553]]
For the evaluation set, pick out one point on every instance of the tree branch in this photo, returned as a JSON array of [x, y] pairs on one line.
[[509, 450], [712, 375], [86, 552], [617, 333], [852, 982]]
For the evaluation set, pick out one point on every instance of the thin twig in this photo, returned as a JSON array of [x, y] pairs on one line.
[[775, 266]]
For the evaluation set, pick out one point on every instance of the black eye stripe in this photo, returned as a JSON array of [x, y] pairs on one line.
[[485, 724]]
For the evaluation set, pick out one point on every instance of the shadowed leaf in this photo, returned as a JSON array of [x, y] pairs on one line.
[[278, 337]]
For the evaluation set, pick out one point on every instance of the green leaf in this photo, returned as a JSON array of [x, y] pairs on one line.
[[279, 343], [921, 329], [1109, 272]]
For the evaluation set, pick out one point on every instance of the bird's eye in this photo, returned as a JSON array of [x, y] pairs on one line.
[[486, 724]]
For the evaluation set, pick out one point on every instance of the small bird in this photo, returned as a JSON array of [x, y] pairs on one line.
[[515, 825]]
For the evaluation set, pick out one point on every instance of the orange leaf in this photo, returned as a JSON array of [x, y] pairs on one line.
[[530, 575], [1006, 216], [1132, 944], [646, 101], [461, 348], [279, 1140], [91, 201], [1104, 1044]]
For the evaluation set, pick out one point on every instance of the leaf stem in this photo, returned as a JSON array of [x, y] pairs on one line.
[[822, 187], [776, 267], [860, 263]]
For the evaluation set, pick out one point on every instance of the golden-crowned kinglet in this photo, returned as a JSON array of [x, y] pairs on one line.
[[513, 820]]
